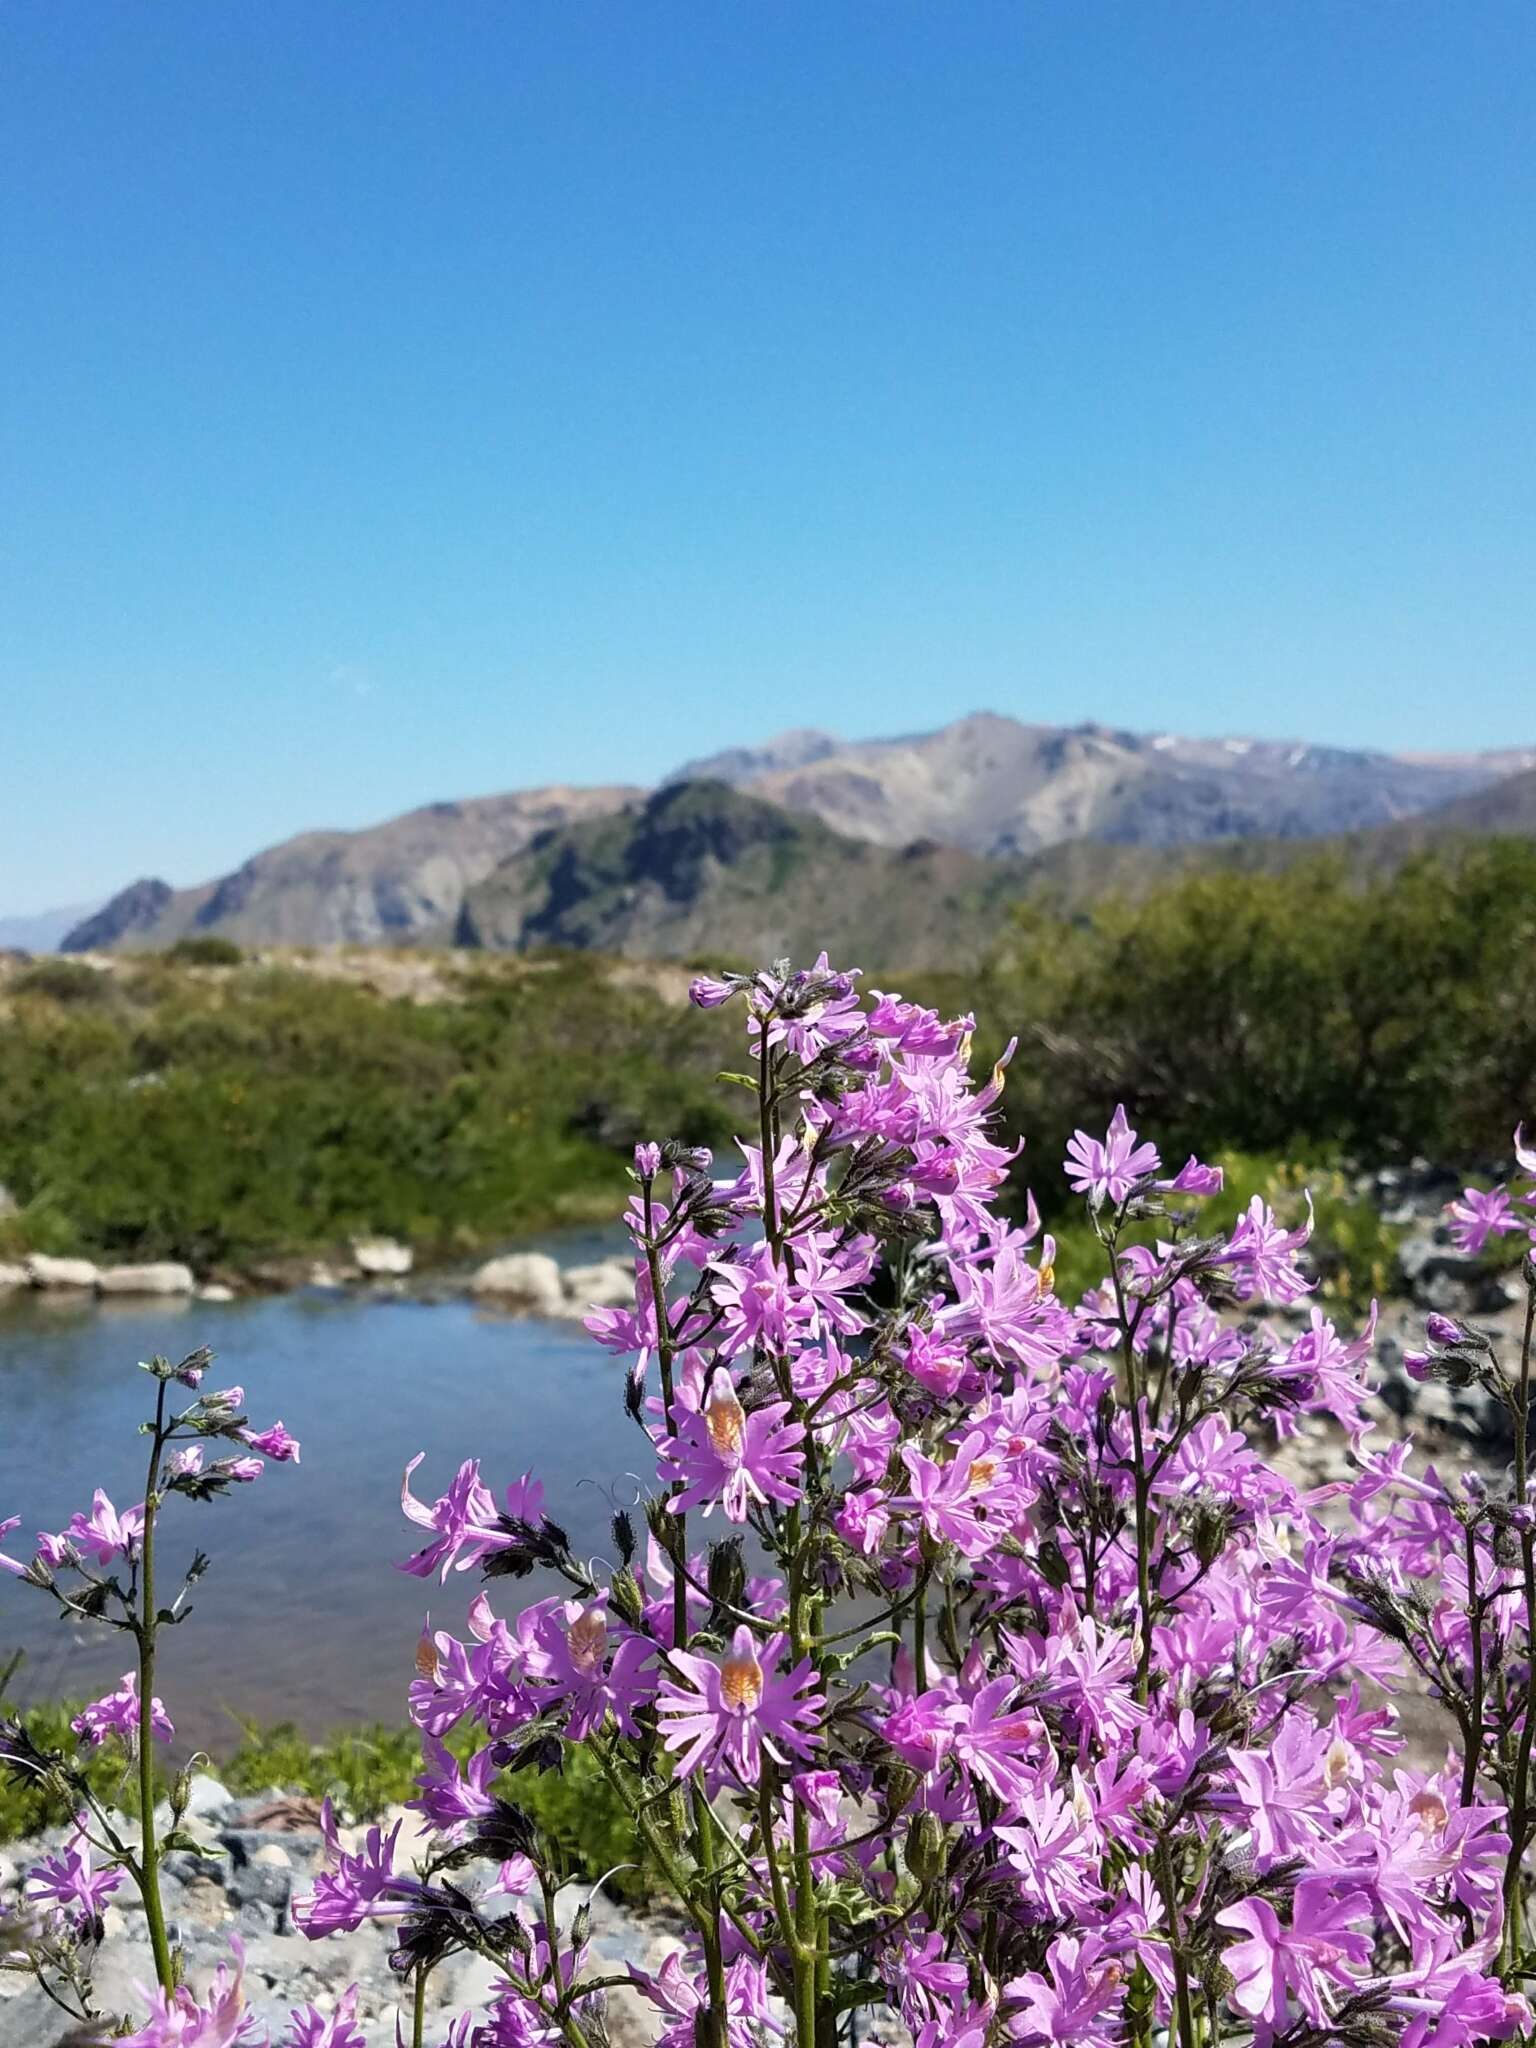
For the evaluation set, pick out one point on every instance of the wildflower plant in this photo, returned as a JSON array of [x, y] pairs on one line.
[[977, 1661], [102, 1570]]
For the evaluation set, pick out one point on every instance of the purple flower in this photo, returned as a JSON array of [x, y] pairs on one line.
[[1476, 1216], [721, 1455], [244, 1471], [311, 2029], [362, 1885], [104, 1534], [68, 1882], [274, 1443], [220, 2019], [1263, 1256], [682, 2000], [1193, 1178], [464, 1520], [1077, 2004], [1108, 1171], [453, 1798], [734, 1710], [947, 1499], [708, 994], [120, 1713], [1273, 1963]]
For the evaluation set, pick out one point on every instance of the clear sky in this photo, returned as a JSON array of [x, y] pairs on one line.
[[401, 401]]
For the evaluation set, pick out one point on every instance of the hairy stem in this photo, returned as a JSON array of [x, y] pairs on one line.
[[149, 1852]]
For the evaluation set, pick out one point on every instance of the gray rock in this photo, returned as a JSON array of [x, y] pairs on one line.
[[207, 1799], [43, 1271], [610, 1283], [528, 1280], [165, 1276], [1440, 1277]]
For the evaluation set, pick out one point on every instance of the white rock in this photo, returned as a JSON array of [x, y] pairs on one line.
[[322, 1275], [528, 1280], [215, 1291], [610, 1283], [207, 1799], [381, 1257], [13, 1276], [43, 1271], [165, 1276], [271, 1855]]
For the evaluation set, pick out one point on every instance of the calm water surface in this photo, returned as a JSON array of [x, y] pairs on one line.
[[302, 1616]]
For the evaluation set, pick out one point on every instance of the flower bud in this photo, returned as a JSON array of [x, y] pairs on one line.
[[625, 1597], [925, 1852]]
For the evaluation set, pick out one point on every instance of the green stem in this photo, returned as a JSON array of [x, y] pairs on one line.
[[419, 2008], [714, 1960], [1185, 2010], [1473, 1757], [1519, 1820], [149, 1852]]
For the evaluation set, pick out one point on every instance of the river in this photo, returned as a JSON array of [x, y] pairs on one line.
[[302, 1616]]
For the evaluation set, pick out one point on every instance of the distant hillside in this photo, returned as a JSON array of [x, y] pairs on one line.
[[994, 785], [703, 870], [399, 883]]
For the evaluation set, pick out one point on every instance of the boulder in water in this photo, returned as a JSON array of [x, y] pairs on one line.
[[529, 1280]]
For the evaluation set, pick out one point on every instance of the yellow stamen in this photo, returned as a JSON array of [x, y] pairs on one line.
[[741, 1683], [587, 1638], [725, 1419]]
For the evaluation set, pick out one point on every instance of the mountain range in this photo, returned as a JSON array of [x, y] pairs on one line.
[[901, 844]]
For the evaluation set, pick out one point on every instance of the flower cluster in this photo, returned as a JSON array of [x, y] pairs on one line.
[[980, 1659], [1056, 1710]]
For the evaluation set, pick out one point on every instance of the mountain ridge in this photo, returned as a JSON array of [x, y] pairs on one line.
[[986, 785]]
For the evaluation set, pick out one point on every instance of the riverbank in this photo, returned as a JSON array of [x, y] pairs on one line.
[[532, 1281]]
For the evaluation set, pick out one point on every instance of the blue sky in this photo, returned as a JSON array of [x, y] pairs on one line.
[[402, 401]]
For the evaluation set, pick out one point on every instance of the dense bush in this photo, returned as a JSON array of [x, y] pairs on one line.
[[279, 1110], [206, 949], [1310, 1013]]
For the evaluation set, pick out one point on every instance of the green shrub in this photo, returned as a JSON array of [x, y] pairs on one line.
[[205, 949], [64, 981]]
